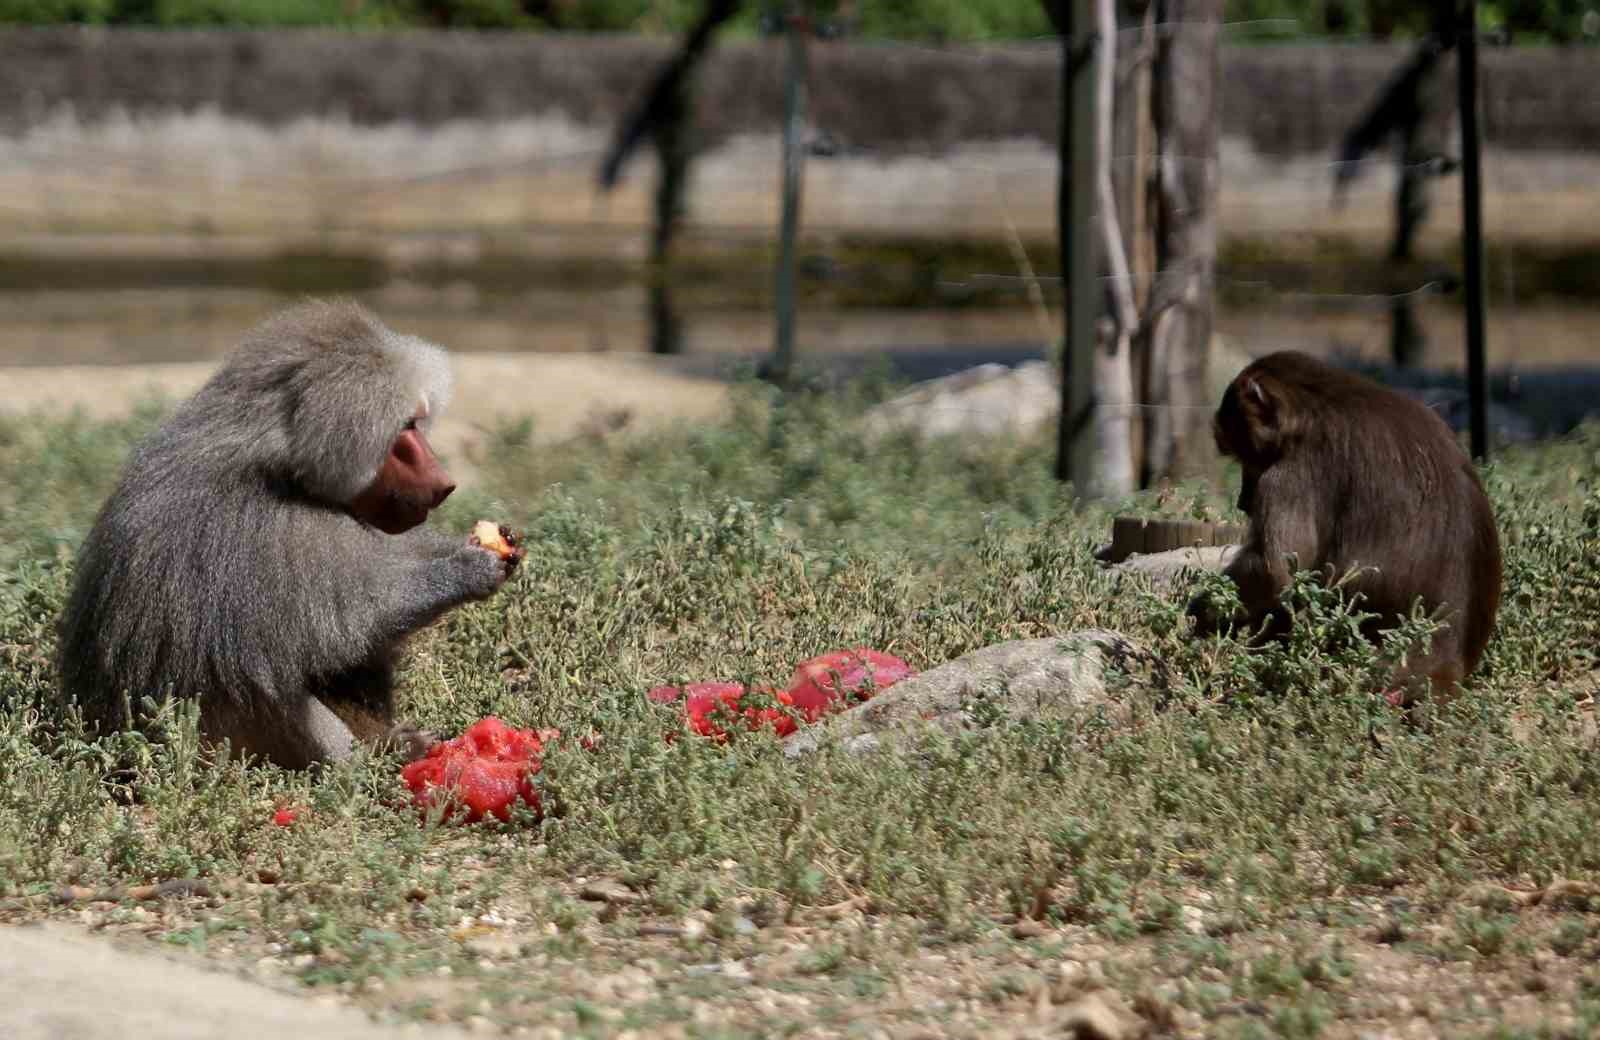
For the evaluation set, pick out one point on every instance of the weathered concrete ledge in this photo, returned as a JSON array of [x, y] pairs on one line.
[[1286, 99]]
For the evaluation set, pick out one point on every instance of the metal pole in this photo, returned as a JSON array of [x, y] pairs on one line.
[[1075, 449], [794, 102], [1472, 224]]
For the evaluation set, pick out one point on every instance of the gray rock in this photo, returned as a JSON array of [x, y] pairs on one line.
[[1035, 678], [993, 398], [986, 399], [1168, 569]]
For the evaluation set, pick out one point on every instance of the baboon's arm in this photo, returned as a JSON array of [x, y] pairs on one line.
[[413, 592], [1283, 537]]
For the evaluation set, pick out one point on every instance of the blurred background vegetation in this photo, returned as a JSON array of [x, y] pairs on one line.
[[1521, 21]]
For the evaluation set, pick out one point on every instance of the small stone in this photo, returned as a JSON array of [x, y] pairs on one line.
[[1570, 895], [604, 891], [1498, 897], [1092, 1017], [1027, 928], [494, 947]]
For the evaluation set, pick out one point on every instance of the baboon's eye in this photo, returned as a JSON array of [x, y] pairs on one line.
[[411, 424]]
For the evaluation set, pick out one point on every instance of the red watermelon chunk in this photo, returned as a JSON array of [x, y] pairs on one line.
[[483, 771], [833, 681], [826, 683], [704, 701]]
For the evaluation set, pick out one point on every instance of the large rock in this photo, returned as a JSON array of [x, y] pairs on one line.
[[986, 399], [1036, 678]]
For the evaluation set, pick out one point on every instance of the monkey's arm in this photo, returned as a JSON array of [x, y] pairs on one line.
[[426, 542], [409, 593], [350, 592], [1284, 535]]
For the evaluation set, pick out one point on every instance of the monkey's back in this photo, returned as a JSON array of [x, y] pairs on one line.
[[188, 585], [1406, 500]]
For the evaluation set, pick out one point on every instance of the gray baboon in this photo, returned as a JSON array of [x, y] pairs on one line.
[[262, 553]]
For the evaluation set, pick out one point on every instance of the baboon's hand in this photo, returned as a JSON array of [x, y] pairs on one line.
[[1206, 620], [498, 539], [409, 742], [1209, 619], [484, 570]]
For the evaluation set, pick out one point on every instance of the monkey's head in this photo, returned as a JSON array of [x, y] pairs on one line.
[[1267, 406], [348, 403], [1246, 423], [1260, 413]]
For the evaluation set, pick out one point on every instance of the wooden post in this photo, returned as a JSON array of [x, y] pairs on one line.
[[1187, 111], [1113, 359], [1472, 225], [1075, 190], [794, 103]]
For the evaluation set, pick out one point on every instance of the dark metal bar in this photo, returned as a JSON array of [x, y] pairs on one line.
[[1075, 449], [1472, 225], [794, 106]]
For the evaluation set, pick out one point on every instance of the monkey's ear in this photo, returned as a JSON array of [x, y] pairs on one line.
[[1262, 415], [1262, 406]]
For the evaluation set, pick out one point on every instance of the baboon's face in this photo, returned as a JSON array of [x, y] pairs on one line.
[[410, 485]]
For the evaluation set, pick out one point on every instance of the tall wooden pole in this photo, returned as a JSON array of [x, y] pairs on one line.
[[1472, 224], [1075, 189], [794, 105], [1186, 100]]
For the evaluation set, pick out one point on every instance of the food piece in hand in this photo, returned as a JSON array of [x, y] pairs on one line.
[[497, 538]]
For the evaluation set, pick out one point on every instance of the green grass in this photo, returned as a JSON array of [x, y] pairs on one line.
[[1240, 842]]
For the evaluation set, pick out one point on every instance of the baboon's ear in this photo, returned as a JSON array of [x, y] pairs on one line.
[[1253, 419], [1261, 411]]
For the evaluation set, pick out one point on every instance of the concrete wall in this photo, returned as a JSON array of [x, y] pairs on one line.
[[893, 99]]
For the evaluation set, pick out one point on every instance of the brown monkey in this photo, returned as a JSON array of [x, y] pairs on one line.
[[263, 552], [1341, 473]]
